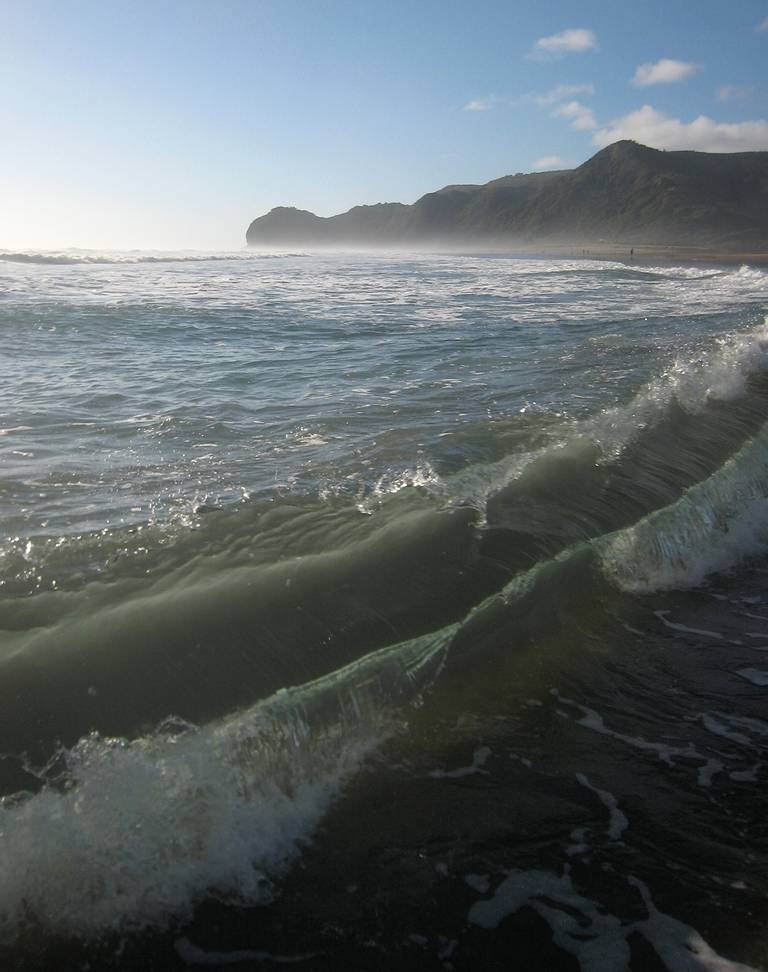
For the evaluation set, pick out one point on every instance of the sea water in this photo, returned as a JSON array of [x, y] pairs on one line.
[[332, 584]]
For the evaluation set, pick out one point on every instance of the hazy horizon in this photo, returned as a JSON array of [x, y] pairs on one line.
[[173, 127]]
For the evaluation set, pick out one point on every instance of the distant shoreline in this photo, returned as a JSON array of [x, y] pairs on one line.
[[638, 254], [712, 204], [645, 253]]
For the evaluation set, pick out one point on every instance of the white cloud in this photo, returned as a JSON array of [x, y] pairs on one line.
[[560, 93], [577, 114], [703, 134], [732, 92], [762, 26], [664, 71], [548, 162], [480, 104], [575, 40]]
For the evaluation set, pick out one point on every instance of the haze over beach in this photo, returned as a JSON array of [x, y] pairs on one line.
[[169, 126], [690, 205], [383, 487]]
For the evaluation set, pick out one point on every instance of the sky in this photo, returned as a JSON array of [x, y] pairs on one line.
[[171, 124]]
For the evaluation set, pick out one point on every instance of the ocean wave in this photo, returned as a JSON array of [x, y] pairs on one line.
[[686, 389], [287, 594], [224, 808], [718, 374], [716, 525], [143, 828], [577, 479], [66, 258]]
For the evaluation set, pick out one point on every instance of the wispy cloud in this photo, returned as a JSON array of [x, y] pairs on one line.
[[733, 92], [548, 162], [560, 93], [665, 71], [703, 134], [481, 104], [577, 114], [575, 40], [762, 26], [544, 99]]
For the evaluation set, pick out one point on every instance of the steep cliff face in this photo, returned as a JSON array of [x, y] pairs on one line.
[[286, 224], [625, 192], [452, 213], [629, 191]]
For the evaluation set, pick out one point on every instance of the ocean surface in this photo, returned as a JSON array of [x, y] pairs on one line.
[[382, 611]]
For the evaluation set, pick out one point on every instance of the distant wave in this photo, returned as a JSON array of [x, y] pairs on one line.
[[69, 259]]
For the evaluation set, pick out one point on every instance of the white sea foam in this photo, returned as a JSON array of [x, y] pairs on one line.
[[717, 524], [142, 829], [146, 828], [479, 759], [587, 930], [680, 947], [422, 476], [720, 728], [667, 753], [594, 937], [618, 822], [65, 258], [719, 374]]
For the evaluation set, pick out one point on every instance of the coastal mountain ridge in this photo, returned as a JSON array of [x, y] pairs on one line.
[[626, 192]]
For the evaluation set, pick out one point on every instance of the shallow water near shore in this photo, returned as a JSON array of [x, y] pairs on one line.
[[362, 610]]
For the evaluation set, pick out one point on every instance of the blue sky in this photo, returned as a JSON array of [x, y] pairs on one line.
[[172, 123]]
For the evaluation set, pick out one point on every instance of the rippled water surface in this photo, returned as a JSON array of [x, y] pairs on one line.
[[132, 390]]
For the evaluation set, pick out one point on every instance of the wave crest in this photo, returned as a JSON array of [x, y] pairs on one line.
[[66, 258], [716, 525], [144, 828]]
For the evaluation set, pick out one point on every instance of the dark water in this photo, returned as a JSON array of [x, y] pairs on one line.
[[382, 611]]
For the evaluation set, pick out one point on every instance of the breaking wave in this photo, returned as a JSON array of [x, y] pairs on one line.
[[715, 526], [68, 258], [143, 828], [402, 583]]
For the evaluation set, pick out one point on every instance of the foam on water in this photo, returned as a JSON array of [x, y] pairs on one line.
[[117, 257], [237, 388], [668, 753], [587, 930], [618, 820], [479, 758], [143, 828], [205, 481], [719, 374], [423, 476], [715, 525], [595, 938]]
